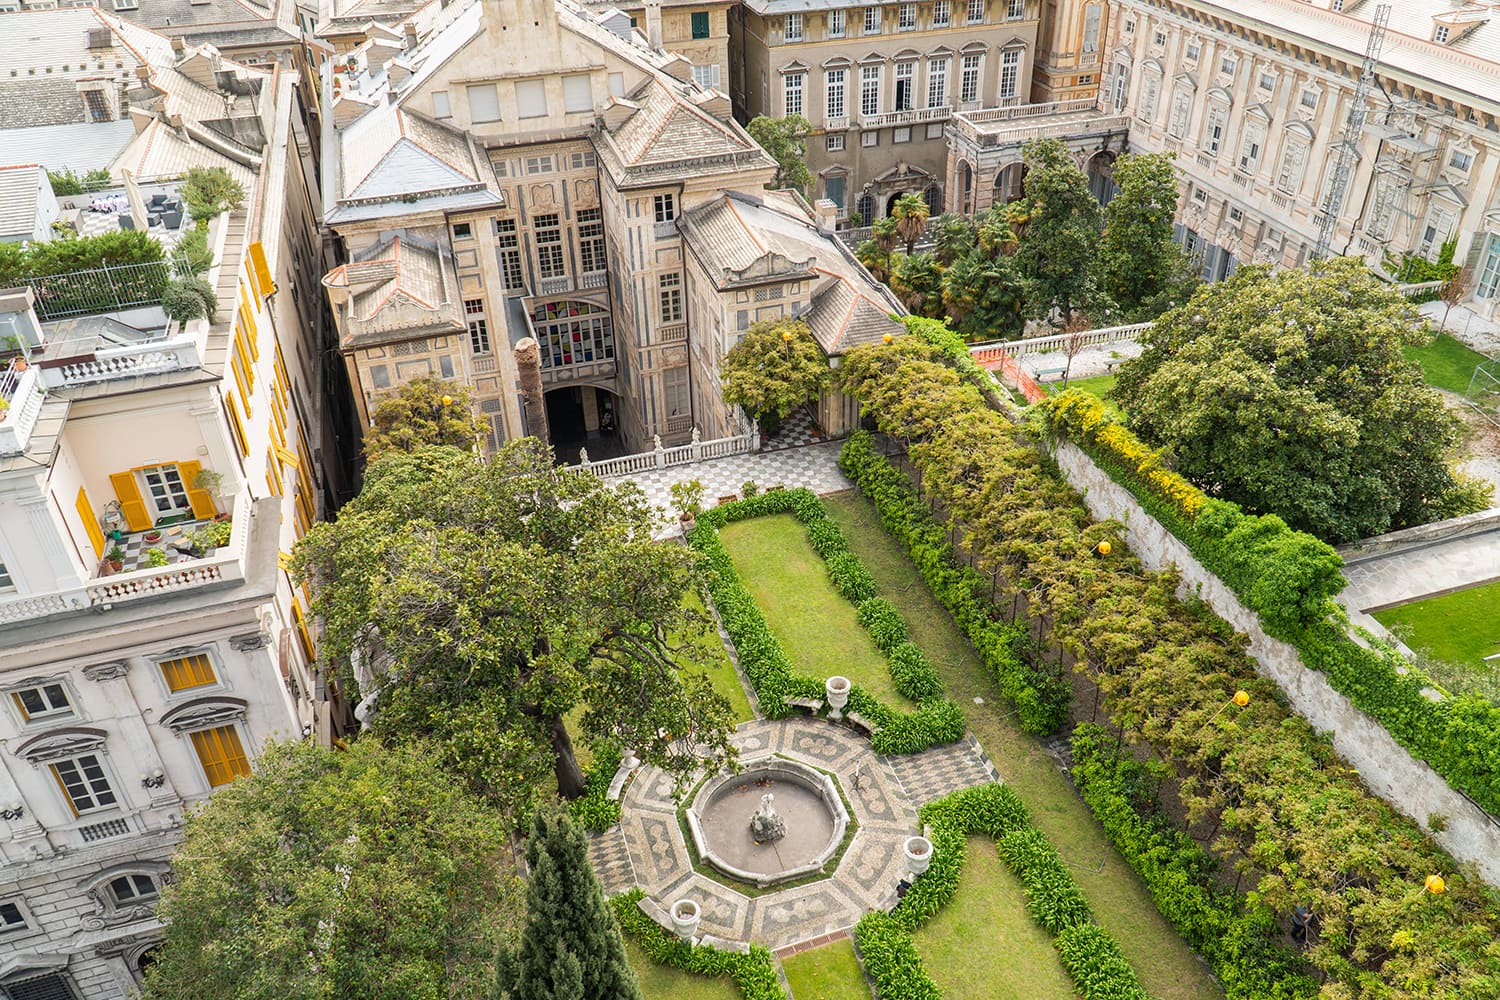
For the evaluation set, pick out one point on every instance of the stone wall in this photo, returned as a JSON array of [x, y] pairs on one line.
[[1410, 785]]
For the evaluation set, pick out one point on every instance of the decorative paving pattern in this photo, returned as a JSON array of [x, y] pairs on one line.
[[796, 431], [879, 793], [610, 859], [941, 771]]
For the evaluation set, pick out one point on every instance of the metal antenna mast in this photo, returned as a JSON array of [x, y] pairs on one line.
[[1353, 129]]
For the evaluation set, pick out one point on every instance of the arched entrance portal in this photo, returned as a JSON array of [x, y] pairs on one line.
[[584, 416], [1101, 174], [1009, 183]]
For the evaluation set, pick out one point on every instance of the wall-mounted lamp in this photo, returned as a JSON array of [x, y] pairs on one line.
[[153, 780], [13, 811]]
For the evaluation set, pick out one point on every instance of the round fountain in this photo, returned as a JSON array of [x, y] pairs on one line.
[[776, 820]]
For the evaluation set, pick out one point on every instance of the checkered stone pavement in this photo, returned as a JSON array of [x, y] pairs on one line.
[[940, 771], [796, 431], [610, 859]]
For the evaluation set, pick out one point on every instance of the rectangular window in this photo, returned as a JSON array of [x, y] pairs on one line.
[[222, 756], [872, 20], [617, 84], [540, 164], [942, 13], [1213, 131], [669, 289], [835, 84], [1182, 106], [976, 12], [666, 207], [42, 701], [6, 582], [870, 138], [509, 250], [1160, 37], [11, 917], [1193, 51], [968, 79], [1489, 273], [479, 330], [1441, 34], [549, 248], [1250, 147], [905, 72], [937, 83], [1091, 28], [98, 107], [1461, 160], [484, 103], [700, 24], [1227, 65], [675, 387], [133, 887], [83, 783], [578, 94], [835, 24], [1267, 82], [791, 97], [584, 160], [184, 672], [1439, 226], [794, 27], [836, 142], [1150, 92], [440, 106], [1015, 10], [1309, 99], [706, 76], [1010, 71], [463, 231], [591, 239], [869, 90], [572, 333], [902, 134], [834, 187], [1289, 175], [906, 17]]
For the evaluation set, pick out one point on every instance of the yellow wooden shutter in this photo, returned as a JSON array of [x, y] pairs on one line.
[[131, 504], [236, 425], [185, 672], [263, 280], [221, 754], [202, 501], [90, 522]]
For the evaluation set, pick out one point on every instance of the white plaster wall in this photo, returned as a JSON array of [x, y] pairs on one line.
[[1386, 767]]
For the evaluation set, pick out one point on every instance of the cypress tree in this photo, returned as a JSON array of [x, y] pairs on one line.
[[570, 947]]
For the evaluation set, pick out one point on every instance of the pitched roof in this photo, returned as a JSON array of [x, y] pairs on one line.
[[403, 287], [19, 194], [390, 154], [743, 240]]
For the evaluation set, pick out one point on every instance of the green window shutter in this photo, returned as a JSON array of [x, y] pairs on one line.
[[700, 25]]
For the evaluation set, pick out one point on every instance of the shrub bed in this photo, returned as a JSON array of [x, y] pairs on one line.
[[754, 973], [594, 809], [935, 720], [1052, 898]]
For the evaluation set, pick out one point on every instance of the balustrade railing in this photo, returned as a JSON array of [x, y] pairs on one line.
[[914, 116], [1059, 341], [21, 392], [665, 458]]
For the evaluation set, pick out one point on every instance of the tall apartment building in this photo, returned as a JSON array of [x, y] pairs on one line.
[[145, 664], [1252, 98], [480, 203], [878, 84], [1069, 60]]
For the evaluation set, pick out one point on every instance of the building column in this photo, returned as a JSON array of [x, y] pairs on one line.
[[145, 757], [48, 531]]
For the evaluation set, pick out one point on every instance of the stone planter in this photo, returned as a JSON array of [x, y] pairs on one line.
[[918, 851], [631, 762], [685, 917], [837, 689]]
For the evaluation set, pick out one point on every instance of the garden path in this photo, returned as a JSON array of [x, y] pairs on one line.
[[1379, 581]]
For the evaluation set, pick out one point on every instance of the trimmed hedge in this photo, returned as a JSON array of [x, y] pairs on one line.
[[1289, 579], [754, 973], [1053, 899], [1040, 698], [935, 721], [1235, 935], [594, 809]]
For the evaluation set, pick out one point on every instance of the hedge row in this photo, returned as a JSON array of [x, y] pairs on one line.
[[1052, 897], [1235, 935], [1288, 578], [754, 973], [935, 720], [594, 809], [1040, 698]]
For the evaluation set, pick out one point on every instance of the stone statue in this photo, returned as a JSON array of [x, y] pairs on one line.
[[765, 825]]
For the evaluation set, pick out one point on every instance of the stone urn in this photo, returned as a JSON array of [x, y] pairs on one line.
[[685, 916], [837, 689], [631, 761], [918, 851]]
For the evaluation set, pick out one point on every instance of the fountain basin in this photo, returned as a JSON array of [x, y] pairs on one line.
[[806, 798]]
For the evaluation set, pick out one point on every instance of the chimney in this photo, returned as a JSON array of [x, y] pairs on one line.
[[826, 214], [653, 24], [143, 72], [411, 36], [179, 45]]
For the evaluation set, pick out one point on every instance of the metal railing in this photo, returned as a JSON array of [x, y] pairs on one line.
[[104, 289]]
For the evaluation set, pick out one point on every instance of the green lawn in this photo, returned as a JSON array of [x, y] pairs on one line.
[[984, 944], [1458, 631], [815, 624], [1097, 385], [1166, 966], [1446, 363], [662, 982], [827, 973], [713, 660]]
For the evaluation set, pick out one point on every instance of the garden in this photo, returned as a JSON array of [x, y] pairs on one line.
[[1453, 634]]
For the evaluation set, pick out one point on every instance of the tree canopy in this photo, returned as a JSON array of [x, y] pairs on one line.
[[424, 411], [777, 366], [1140, 269], [1288, 393], [1062, 220], [786, 140], [910, 213], [365, 873], [485, 601]]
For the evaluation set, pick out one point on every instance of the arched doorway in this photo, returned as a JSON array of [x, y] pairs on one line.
[[890, 203], [583, 416], [1010, 183], [1101, 174]]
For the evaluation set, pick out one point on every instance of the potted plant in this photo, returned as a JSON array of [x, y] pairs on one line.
[[155, 558], [210, 481], [115, 557], [688, 498], [152, 537]]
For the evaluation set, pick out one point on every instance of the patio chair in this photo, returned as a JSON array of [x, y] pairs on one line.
[[158, 200], [171, 219], [126, 222]]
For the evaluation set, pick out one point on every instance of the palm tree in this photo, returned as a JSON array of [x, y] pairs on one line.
[[954, 236], [884, 233], [910, 213], [875, 258]]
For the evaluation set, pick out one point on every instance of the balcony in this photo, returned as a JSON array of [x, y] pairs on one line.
[[592, 280], [21, 401], [915, 116], [666, 230], [1013, 126], [676, 333]]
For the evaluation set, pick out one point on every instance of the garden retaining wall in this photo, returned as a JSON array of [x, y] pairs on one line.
[[1471, 835]]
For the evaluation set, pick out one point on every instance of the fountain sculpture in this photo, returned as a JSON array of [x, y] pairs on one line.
[[765, 825]]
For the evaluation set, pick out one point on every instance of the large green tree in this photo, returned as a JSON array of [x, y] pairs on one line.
[[1289, 394], [570, 947], [361, 873], [424, 411], [910, 213], [776, 367], [1139, 267], [786, 140], [1062, 220], [917, 280], [985, 297], [488, 600]]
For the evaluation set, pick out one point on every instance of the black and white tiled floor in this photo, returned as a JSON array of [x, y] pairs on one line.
[[135, 544]]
